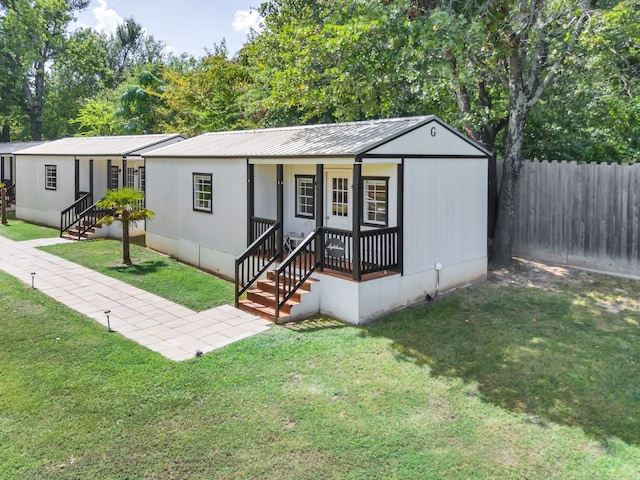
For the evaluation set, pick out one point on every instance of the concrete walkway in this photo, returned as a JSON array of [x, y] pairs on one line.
[[160, 325]]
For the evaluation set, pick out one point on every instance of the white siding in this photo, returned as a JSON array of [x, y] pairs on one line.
[[265, 191], [198, 237], [445, 212], [34, 203], [433, 139]]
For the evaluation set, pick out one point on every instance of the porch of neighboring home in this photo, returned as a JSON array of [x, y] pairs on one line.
[[341, 219]]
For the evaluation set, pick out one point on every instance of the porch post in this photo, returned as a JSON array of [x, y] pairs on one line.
[[2, 169], [77, 178], [319, 207], [357, 206], [280, 207], [124, 171], [401, 217], [250, 201], [91, 179], [109, 174]]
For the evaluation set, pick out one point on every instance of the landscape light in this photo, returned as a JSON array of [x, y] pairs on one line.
[[107, 312]]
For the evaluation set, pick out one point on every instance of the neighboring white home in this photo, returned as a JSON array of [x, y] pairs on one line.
[[8, 165], [361, 217], [60, 181]]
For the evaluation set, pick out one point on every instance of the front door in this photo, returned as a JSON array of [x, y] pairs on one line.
[[338, 199]]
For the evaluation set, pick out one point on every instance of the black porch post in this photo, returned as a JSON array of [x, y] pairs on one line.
[[109, 174], [91, 179], [250, 201], [77, 178], [2, 169], [280, 207], [401, 217], [357, 206], [319, 207], [124, 171]]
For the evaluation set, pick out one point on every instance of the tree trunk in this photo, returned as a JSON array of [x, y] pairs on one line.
[[126, 257]]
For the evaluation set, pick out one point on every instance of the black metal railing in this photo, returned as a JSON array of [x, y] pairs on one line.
[[256, 259], [338, 250], [379, 250], [71, 215], [297, 268], [11, 194], [259, 226]]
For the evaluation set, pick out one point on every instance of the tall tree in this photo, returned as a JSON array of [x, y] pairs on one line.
[[32, 34]]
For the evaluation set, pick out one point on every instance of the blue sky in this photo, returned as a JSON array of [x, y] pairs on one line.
[[186, 26]]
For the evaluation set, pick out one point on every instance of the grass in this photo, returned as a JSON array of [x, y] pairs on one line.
[[487, 382], [19, 230], [152, 271]]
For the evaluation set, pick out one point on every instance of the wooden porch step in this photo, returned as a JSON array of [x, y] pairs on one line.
[[268, 313], [73, 234], [306, 286], [269, 300]]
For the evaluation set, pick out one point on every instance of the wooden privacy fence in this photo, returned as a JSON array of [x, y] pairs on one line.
[[584, 215]]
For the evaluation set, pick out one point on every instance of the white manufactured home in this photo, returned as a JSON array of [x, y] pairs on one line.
[[350, 220], [60, 181], [8, 152]]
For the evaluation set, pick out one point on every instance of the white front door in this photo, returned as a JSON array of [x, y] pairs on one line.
[[338, 199]]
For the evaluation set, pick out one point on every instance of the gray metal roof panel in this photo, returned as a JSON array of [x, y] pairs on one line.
[[14, 147], [99, 146], [337, 139]]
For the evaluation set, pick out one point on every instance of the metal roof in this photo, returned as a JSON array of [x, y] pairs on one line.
[[100, 146], [14, 147], [337, 139]]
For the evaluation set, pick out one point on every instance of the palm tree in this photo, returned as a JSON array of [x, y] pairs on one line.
[[125, 205]]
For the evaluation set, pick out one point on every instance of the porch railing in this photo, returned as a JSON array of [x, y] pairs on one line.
[[378, 250], [256, 259], [71, 215], [297, 268], [259, 226], [11, 194]]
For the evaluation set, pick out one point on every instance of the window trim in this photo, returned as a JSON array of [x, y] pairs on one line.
[[299, 214], [197, 208], [47, 177], [364, 220]]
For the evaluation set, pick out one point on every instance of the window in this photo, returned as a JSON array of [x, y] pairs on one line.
[[305, 196], [114, 177], [375, 201], [340, 197], [202, 192], [131, 177], [143, 179], [50, 177]]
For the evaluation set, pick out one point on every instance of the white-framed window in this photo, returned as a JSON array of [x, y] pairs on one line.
[[340, 197], [130, 179], [202, 192], [376, 202], [305, 196], [50, 177]]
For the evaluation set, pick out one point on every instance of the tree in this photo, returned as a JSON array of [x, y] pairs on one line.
[[32, 35], [125, 206], [140, 103]]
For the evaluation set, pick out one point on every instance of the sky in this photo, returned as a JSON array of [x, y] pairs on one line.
[[187, 26]]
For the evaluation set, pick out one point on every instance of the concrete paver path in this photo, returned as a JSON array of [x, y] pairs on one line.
[[163, 326]]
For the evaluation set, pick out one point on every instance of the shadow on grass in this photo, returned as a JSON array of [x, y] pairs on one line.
[[552, 357], [143, 268]]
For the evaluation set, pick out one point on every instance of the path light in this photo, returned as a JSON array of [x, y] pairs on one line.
[[107, 312], [33, 276]]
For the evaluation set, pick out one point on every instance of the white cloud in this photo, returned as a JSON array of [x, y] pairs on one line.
[[107, 18], [244, 20]]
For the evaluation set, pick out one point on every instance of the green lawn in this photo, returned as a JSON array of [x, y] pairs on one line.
[[487, 382], [153, 272], [18, 230]]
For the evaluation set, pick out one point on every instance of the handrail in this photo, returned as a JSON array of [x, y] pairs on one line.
[[256, 259], [70, 216], [91, 216], [299, 259], [11, 194]]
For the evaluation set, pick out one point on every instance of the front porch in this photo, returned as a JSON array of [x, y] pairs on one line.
[[334, 196]]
